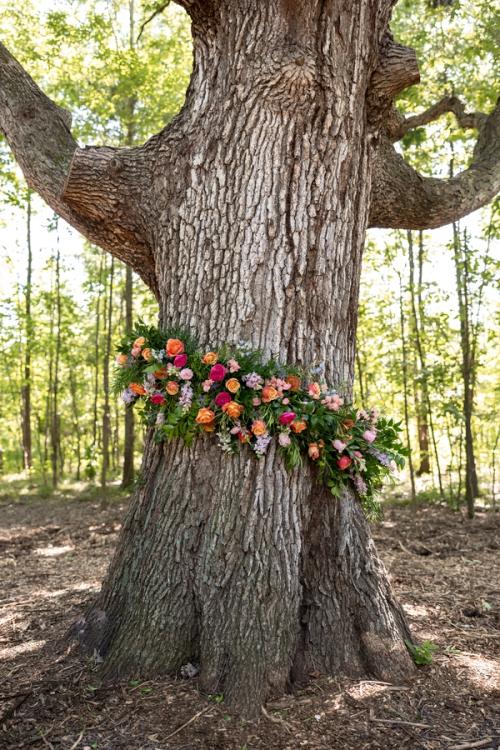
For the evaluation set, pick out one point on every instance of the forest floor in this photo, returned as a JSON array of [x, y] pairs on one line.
[[446, 573]]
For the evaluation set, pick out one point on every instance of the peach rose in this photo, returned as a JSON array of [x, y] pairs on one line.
[[259, 427], [173, 347], [347, 424], [139, 343], [314, 390], [233, 385], [160, 373], [205, 416], [269, 393], [233, 410], [138, 389], [210, 358], [121, 360], [313, 451], [172, 388], [294, 381], [147, 354], [299, 425]]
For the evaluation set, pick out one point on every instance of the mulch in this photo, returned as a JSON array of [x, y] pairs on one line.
[[446, 573]]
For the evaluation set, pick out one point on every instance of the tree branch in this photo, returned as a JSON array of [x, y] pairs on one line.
[[98, 191], [447, 104], [404, 199]]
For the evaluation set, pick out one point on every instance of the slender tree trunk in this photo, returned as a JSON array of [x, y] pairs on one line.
[[128, 452], [422, 363], [55, 427], [76, 421], [405, 391], [106, 413], [258, 574], [422, 417], [26, 387], [467, 365], [97, 354]]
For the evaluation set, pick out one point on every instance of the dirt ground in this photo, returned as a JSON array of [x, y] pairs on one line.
[[445, 570]]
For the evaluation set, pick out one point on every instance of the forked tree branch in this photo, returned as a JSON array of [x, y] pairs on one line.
[[447, 104], [98, 191], [404, 199]]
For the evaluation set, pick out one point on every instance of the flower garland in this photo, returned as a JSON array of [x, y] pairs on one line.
[[244, 401]]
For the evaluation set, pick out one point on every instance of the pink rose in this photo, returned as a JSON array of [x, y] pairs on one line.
[[206, 385], [232, 365], [180, 361], [286, 401], [256, 401], [135, 351], [369, 436], [287, 417], [344, 462], [223, 398], [186, 374], [157, 399], [217, 373], [314, 390], [339, 445], [284, 439]]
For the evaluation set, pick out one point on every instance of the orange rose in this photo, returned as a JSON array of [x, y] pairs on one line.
[[205, 416], [139, 343], [210, 358], [259, 427], [161, 373], [298, 425], [173, 347], [172, 388], [139, 390], [313, 451], [269, 393], [233, 409], [121, 360], [233, 385], [147, 354], [294, 381], [210, 427]]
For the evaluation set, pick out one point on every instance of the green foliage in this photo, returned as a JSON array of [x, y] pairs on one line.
[[422, 655]]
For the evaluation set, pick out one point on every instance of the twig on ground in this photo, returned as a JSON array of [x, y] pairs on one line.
[[187, 723], [401, 721], [479, 743], [277, 720], [75, 744]]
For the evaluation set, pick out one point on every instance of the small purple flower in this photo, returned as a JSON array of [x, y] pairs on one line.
[[186, 397], [253, 380], [128, 396], [360, 484], [261, 444], [381, 457]]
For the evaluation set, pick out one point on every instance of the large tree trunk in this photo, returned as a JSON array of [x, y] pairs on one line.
[[259, 575]]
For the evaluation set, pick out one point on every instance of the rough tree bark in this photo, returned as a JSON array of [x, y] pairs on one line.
[[246, 216]]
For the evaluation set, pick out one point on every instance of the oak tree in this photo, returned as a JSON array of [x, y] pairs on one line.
[[246, 217]]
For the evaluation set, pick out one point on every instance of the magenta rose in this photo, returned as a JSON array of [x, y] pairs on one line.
[[217, 373], [180, 361], [223, 398], [157, 399], [287, 417]]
